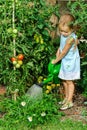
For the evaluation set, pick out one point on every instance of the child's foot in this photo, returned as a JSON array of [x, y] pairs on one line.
[[63, 102], [67, 106]]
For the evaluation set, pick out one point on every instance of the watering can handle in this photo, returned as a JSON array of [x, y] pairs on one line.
[[50, 78]]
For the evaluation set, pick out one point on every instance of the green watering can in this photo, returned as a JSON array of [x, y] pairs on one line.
[[53, 69]]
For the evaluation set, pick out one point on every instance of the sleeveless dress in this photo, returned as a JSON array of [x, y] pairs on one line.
[[70, 64]]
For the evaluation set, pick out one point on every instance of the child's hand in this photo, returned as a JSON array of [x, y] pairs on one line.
[[54, 61]]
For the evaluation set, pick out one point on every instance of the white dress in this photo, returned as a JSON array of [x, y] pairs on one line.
[[70, 64]]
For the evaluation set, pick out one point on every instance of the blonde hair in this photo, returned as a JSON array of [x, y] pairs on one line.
[[67, 19]]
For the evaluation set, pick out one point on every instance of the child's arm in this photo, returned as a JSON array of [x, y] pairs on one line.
[[68, 45], [58, 52], [76, 43]]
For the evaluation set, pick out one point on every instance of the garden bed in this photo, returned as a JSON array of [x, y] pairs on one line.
[[30, 29]]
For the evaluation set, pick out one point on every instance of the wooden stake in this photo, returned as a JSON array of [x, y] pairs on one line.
[[13, 23]]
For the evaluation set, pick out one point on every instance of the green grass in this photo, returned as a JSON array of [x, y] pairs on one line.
[[63, 125], [67, 124], [16, 117]]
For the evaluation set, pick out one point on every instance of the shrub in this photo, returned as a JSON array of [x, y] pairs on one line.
[[79, 8]]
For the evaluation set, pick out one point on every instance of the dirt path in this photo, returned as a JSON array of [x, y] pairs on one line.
[[78, 111]]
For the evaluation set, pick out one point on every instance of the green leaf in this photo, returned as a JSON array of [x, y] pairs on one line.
[[84, 63], [40, 26]]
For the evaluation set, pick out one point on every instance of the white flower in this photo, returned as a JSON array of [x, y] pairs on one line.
[[83, 40], [43, 114], [30, 118], [23, 104]]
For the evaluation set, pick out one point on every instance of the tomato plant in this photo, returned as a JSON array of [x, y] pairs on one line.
[[25, 27]]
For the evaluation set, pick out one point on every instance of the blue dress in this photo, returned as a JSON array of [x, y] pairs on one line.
[[70, 64]]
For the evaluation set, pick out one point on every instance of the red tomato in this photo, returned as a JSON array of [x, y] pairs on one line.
[[13, 59], [20, 57]]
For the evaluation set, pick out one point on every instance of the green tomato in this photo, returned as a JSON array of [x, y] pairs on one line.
[[14, 62], [15, 31], [20, 62], [17, 65]]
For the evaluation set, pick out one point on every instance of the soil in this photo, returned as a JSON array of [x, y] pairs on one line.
[[2, 89], [2, 93], [77, 112]]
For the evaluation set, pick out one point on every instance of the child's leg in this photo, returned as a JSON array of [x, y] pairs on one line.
[[70, 92], [65, 89], [65, 92], [71, 88]]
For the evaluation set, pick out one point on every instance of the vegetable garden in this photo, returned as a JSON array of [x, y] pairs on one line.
[[28, 41]]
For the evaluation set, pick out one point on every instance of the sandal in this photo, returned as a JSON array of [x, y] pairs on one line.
[[63, 102], [67, 106]]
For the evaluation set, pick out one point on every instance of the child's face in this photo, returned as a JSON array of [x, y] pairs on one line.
[[65, 30]]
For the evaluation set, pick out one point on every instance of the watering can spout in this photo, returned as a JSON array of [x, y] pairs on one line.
[[36, 89]]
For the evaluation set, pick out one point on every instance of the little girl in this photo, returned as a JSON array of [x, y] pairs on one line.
[[70, 60]]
